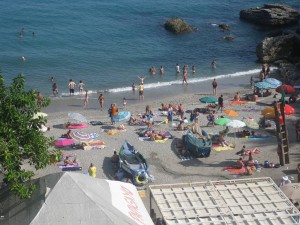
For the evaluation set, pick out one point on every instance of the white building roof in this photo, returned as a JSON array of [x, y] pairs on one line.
[[235, 202]]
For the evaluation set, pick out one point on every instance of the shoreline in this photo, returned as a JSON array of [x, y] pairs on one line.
[[71, 103], [165, 165]]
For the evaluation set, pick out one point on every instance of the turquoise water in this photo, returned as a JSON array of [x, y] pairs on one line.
[[107, 44]]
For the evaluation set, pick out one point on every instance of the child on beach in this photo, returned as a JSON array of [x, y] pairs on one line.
[[124, 103], [80, 86], [86, 100]]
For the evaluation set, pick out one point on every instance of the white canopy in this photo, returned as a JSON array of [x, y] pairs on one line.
[[80, 199]]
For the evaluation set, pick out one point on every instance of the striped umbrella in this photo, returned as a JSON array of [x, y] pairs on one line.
[[81, 136]]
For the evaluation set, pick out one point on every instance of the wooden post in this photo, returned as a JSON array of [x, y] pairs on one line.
[[284, 138], [278, 135]]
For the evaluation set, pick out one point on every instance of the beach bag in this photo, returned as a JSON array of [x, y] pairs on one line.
[[266, 164]]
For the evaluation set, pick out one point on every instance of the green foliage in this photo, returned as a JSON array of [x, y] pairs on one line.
[[21, 141]]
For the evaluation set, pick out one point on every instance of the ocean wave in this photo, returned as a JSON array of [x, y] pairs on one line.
[[190, 80], [169, 83]]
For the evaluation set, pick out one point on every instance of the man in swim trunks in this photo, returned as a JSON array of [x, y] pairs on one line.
[[220, 103], [215, 85], [81, 85], [141, 91], [72, 86]]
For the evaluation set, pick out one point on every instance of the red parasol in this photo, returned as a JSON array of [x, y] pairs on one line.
[[288, 110], [288, 89]]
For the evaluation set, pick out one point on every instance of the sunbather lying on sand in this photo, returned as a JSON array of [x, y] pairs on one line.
[[69, 162], [223, 142], [133, 121], [67, 135]]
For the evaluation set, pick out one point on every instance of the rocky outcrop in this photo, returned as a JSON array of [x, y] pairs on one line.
[[271, 15], [224, 27], [177, 26], [284, 47]]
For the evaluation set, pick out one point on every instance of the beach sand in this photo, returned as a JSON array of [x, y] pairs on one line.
[[165, 166]]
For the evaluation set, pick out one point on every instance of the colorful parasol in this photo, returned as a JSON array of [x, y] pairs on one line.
[[208, 99], [222, 121], [231, 112]]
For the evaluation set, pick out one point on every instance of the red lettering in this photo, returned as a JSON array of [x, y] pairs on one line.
[[132, 205]]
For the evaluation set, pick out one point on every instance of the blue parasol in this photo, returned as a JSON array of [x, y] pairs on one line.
[[121, 116], [273, 81], [264, 85]]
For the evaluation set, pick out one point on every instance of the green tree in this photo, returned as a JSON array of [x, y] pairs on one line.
[[21, 141]]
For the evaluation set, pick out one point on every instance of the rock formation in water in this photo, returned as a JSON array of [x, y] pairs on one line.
[[177, 26], [283, 47], [271, 15]]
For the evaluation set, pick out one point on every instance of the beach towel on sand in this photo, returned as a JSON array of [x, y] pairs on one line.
[[222, 148], [233, 170]]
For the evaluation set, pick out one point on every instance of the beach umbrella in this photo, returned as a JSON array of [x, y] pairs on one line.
[[264, 85], [39, 114], [222, 121], [61, 142], [77, 117], [268, 112], [236, 124], [291, 190], [288, 89], [81, 136], [208, 99], [273, 81], [231, 112], [251, 123], [121, 116], [288, 110]]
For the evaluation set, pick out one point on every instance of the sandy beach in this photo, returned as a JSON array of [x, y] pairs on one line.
[[165, 165]]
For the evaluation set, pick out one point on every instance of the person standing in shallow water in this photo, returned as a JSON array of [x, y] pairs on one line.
[[213, 64], [86, 100], [101, 101]]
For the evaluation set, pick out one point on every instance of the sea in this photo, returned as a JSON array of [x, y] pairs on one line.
[[109, 43]]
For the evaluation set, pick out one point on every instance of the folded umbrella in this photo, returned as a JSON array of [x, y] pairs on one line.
[[77, 117]]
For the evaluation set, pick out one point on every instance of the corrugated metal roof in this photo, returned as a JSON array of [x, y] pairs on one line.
[[234, 202]]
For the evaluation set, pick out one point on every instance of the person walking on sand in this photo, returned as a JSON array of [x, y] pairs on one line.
[[92, 170], [124, 103], [142, 79], [80, 86], [141, 91], [101, 101], [72, 86], [86, 100], [220, 103], [185, 77], [214, 85], [55, 89]]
